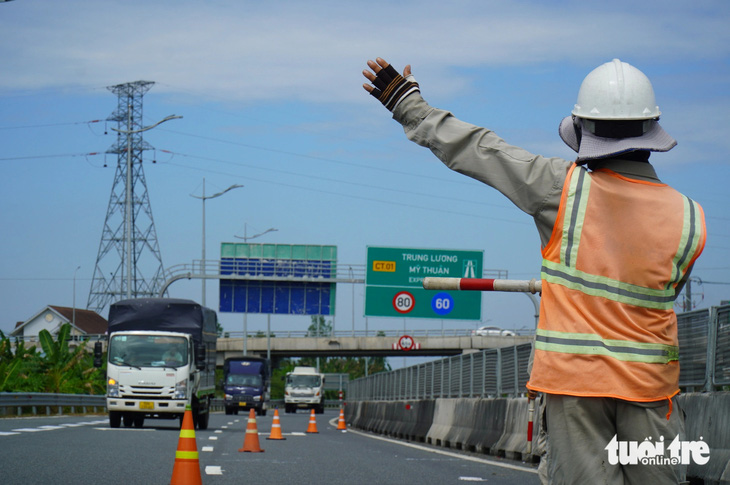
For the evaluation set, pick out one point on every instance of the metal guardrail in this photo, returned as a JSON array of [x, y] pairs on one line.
[[72, 338], [489, 373], [704, 360], [19, 401], [217, 404], [390, 332], [704, 348], [277, 270], [721, 355]]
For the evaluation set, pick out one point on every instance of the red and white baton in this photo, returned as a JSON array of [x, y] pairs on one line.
[[531, 396], [482, 284], [487, 284]]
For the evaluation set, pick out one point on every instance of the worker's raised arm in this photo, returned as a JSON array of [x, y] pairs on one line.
[[533, 183]]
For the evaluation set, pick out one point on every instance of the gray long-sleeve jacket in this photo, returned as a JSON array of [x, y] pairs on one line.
[[532, 182]]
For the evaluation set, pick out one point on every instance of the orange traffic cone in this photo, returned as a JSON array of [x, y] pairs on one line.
[[251, 441], [341, 422], [312, 428], [276, 428], [187, 467]]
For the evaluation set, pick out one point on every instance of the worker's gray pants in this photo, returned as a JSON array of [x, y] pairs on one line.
[[580, 428]]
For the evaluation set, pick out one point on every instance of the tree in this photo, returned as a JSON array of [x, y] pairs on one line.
[[278, 376], [68, 371], [57, 369], [19, 369], [319, 327]]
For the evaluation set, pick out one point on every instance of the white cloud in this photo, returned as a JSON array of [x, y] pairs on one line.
[[316, 50]]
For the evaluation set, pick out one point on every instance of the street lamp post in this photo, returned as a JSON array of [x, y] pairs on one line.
[[73, 308], [204, 198], [245, 320], [128, 202], [352, 285]]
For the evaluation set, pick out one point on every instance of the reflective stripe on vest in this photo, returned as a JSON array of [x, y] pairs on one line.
[[575, 213], [566, 274], [591, 344], [691, 236], [606, 287]]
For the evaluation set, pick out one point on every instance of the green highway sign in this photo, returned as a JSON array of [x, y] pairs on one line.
[[394, 283]]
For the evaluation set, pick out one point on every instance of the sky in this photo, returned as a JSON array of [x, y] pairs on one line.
[[271, 98]]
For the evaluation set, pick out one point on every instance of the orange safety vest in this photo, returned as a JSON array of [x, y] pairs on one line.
[[618, 249]]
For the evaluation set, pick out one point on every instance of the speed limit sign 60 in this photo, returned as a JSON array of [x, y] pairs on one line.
[[403, 302]]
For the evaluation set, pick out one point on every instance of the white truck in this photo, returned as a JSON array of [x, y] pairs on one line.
[[304, 389], [161, 358]]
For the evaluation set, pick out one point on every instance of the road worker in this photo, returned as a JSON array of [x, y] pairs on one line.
[[617, 247]]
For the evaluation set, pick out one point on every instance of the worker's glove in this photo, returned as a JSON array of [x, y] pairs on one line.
[[390, 87]]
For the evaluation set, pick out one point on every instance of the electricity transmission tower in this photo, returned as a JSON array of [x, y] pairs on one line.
[[129, 263]]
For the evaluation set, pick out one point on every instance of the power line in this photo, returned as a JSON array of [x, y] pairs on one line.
[[350, 195], [43, 279], [338, 181], [49, 125], [65, 155], [318, 158]]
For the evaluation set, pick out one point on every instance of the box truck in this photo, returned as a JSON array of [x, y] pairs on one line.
[[304, 389], [246, 384], [160, 359]]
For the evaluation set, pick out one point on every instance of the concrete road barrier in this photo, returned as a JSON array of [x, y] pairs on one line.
[[499, 426], [488, 425]]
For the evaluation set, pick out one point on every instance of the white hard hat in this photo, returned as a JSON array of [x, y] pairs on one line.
[[616, 91]]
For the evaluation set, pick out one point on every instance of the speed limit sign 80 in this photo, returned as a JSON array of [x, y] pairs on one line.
[[403, 302]]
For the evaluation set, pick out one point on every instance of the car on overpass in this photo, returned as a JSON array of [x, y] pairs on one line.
[[492, 332]]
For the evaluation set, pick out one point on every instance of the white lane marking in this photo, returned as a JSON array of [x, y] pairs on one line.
[[49, 427], [218, 431], [212, 438], [206, 448], [213, 470], [472, 479], [297, 433], [450, 453]]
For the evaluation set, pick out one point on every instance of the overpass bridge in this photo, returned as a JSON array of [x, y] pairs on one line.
[[342, 344], [346, 344]]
